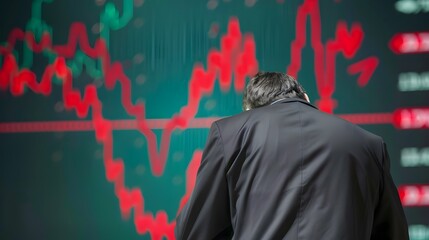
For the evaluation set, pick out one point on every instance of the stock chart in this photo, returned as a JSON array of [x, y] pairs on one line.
[[105, 105]]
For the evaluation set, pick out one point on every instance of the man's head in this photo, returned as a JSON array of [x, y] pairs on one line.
[[267, 87]]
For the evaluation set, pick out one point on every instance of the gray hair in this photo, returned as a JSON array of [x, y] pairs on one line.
[[267, 87]]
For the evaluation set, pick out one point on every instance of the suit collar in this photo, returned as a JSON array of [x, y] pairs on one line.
[[287, 100]]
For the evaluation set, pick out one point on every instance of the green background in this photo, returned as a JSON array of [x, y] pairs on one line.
[[53, 184]]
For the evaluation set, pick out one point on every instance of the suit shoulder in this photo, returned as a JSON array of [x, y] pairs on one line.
[[342, 126], [237, 119]]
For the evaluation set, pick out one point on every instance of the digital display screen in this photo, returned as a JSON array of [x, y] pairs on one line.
[[105, 105]]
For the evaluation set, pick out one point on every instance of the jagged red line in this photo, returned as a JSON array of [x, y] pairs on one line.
[[191, 176], [366, 67], [324, 56], [230, 56], [233, 58]]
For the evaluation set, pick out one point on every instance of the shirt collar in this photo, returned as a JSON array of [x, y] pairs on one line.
[[278, 100], [284, 100]]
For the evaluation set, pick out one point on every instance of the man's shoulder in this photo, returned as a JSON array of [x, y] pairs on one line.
[[244, 117], [337, 124], [343, 126], [234, 120]]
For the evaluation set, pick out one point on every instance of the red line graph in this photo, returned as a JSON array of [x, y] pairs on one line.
[[235, 57], [345, 42], [232, 59]]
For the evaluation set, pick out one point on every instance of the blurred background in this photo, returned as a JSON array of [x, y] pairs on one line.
[[105, 105]]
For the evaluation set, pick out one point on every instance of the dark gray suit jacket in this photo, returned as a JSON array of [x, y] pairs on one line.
[[290, 171]]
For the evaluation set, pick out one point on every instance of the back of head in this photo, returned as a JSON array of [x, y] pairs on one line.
[[267, 87]]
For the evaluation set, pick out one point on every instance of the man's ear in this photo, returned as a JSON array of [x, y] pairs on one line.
[[306, 97]]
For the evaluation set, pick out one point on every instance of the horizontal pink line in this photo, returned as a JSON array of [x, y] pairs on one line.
[[131, 124], [368, 118], [86, 125]]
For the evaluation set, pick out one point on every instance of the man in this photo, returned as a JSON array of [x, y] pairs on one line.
[[285, 170]]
